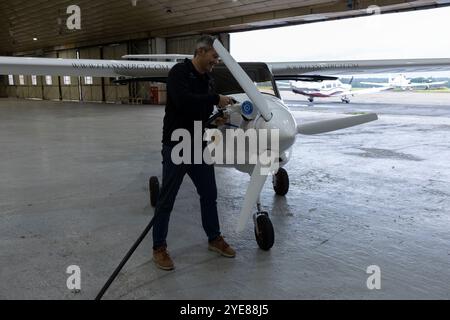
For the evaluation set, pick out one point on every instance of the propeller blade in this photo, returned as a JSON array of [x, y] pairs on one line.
[[244, 80], [254, 188], [334, 124]]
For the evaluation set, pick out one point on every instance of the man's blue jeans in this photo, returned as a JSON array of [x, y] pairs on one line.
[[204, 180]]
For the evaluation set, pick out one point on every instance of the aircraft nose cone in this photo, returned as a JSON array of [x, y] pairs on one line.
[[287, 127], [287, 135]]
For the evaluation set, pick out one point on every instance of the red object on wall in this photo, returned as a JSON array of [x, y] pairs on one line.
[[154, 95]]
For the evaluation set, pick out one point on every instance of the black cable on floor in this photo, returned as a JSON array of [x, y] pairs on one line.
[[124, 260]]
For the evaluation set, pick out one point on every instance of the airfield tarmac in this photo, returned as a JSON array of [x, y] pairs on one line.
[[74, 191]]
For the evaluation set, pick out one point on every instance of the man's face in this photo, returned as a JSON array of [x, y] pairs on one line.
[[208, 59]]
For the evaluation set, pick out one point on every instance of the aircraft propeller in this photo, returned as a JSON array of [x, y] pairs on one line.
[[257, 179], [244, 80]]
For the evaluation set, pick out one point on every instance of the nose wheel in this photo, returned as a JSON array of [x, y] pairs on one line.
[[264, 233], [153, 187]]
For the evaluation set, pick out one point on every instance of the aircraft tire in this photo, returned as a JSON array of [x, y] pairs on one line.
[[266, 236], [280, 182], [153, 186]]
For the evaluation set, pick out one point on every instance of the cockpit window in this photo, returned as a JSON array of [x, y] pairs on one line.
[[259, 73], [265, 87]]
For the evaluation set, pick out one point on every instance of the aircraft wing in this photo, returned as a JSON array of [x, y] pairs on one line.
[[359, 92], [284, 69], [383, 84], [368, 90], [159, 57], [155, 69], [83, 67]]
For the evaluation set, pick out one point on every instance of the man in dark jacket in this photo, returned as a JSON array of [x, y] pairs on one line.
[[190, 97]]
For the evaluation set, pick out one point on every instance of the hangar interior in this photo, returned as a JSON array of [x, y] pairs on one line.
[[95, 89], [113, 29], [74, 185]]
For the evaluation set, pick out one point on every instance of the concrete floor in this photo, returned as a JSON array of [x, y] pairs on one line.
[[74, 192]]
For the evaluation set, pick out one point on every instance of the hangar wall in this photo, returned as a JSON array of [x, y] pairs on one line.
[[68, 86], [11, 90], [113, 92], [22, 90], [186, 45], [50, 83], [91, 91], [96, 89], [35, 91], [140, 92]]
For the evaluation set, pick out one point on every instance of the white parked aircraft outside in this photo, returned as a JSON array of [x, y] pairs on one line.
[[328, 89], [401, 82], [253, 110]]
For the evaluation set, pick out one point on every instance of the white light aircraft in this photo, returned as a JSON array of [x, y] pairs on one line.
[[401, 82], [329, 89], [254, 109]]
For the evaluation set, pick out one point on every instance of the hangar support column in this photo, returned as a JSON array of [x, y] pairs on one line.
[[157, 45], [158, 91], [225, 39], [3, 87]]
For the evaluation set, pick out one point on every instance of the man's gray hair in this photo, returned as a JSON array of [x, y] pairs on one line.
[[204, 42]]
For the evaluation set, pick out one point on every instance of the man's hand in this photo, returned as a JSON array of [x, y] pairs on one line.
[[224, 101], [220, 121]]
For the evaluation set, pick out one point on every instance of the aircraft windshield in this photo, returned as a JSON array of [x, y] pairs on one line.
[[265, 87], [258, 72]]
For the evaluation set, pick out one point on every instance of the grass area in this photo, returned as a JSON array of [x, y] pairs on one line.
[[355, 113], [442, 90]]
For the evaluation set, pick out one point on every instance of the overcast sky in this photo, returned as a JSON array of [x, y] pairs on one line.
[[414, 34]]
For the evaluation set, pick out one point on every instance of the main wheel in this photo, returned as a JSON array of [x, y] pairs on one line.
[[266, 236], [153, 186], [280, 182]]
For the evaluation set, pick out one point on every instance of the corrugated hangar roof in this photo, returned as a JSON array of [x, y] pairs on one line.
[[105, 21]]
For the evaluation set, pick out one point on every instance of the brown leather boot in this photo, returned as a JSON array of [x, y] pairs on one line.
[[162, 258], [220, 246]]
